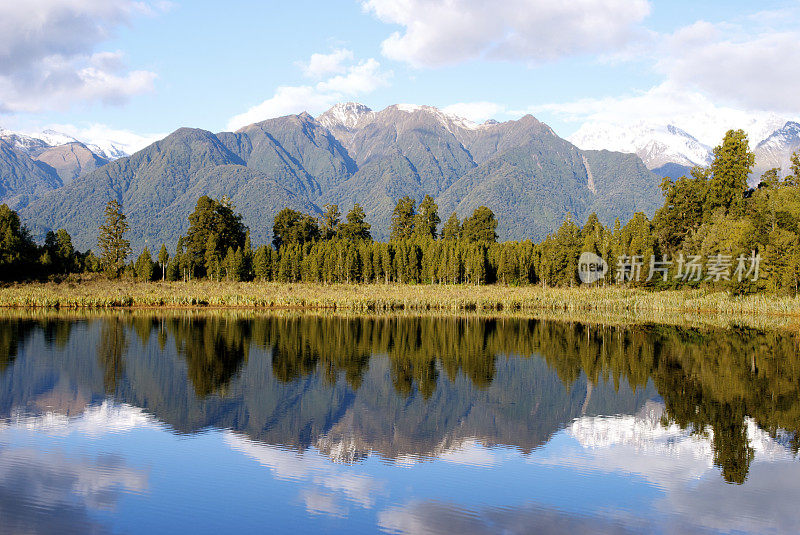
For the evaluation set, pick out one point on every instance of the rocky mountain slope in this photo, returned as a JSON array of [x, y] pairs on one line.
[[777, 149]]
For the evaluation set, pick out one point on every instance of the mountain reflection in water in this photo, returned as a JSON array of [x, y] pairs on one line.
[[290, 390]]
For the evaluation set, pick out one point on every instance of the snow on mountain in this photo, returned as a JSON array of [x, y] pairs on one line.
[[53, 138], [656, 145], [349, 115], [772, 138], [450, 121], [777, 149], [36, 142], [110, 150], [344, 115]]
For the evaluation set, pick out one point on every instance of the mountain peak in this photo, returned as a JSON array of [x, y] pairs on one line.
[[344, 115], [655, 144]]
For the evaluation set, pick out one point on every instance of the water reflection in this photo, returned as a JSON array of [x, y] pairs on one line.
[[286, 388]]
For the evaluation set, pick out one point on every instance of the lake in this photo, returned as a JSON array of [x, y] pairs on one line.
[[209, 422]]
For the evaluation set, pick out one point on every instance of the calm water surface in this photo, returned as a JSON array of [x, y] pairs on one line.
[[210, 423]]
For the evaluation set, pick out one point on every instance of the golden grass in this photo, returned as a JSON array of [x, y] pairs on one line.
[[101, 293], [783, 322]]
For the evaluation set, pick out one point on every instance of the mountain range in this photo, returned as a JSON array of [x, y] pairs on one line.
[[670, 151], [530, 177]]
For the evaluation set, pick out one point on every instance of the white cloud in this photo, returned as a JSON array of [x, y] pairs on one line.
[[286, 100], [755, 71], [359, 79], [320, 65], [48, 59], [440, 32], [324, 481], [477, 112], [362, 78]]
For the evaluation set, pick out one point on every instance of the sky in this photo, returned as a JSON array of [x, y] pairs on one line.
[[134, 71]]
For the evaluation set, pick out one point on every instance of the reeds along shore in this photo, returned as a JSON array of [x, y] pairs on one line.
[[387, 297]]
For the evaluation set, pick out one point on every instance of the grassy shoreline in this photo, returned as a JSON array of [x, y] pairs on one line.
[[385, 297]]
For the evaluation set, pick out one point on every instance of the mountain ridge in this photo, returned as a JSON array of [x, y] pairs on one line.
[[529, 176]]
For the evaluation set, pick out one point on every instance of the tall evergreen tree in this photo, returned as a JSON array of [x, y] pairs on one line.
[[403, 219], [16, 246], [480, 226], [113, 245], [452, 228], [217, 219], [426, 220], [355, 228], [291, 226], [144, 266], [331, 219], [793, 179], [733, 162], [163, 260]]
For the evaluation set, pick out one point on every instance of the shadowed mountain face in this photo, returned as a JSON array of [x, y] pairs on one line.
[[22, 178], [401, 386], [521, 169], [31, 167]]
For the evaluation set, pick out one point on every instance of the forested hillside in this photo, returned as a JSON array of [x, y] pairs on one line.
[[528, 176]]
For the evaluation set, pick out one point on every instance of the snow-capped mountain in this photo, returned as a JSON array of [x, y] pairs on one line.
[[662, 147], [777, 149], [34, 144], [352, 115], [656, 145], [344, 115]]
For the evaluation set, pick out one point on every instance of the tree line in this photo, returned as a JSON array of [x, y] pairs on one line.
[[709, 214]]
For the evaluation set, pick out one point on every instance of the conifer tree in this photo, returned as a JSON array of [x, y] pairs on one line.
[[163, 260], [480, 226], [228, 263], [211, 217], [426, 220], [331, 219], [355, 228], [16, 246], [733, 162], [403, 219], [793, 179], [213, 256], [144, 266], [261, 264], [452, 228], [113, 245]]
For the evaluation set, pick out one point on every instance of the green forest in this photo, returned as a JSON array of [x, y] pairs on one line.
[[712, 230]]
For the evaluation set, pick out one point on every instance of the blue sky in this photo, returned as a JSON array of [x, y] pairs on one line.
[[116, 67]]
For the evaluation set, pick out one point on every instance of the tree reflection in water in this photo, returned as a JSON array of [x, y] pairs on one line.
[[710, 379]]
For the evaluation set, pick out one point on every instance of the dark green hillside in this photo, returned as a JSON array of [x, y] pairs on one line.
[[488, 141], [22, 178], [622, 185], [531, 188], [295, 150], [158, 187], [672, 170]]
